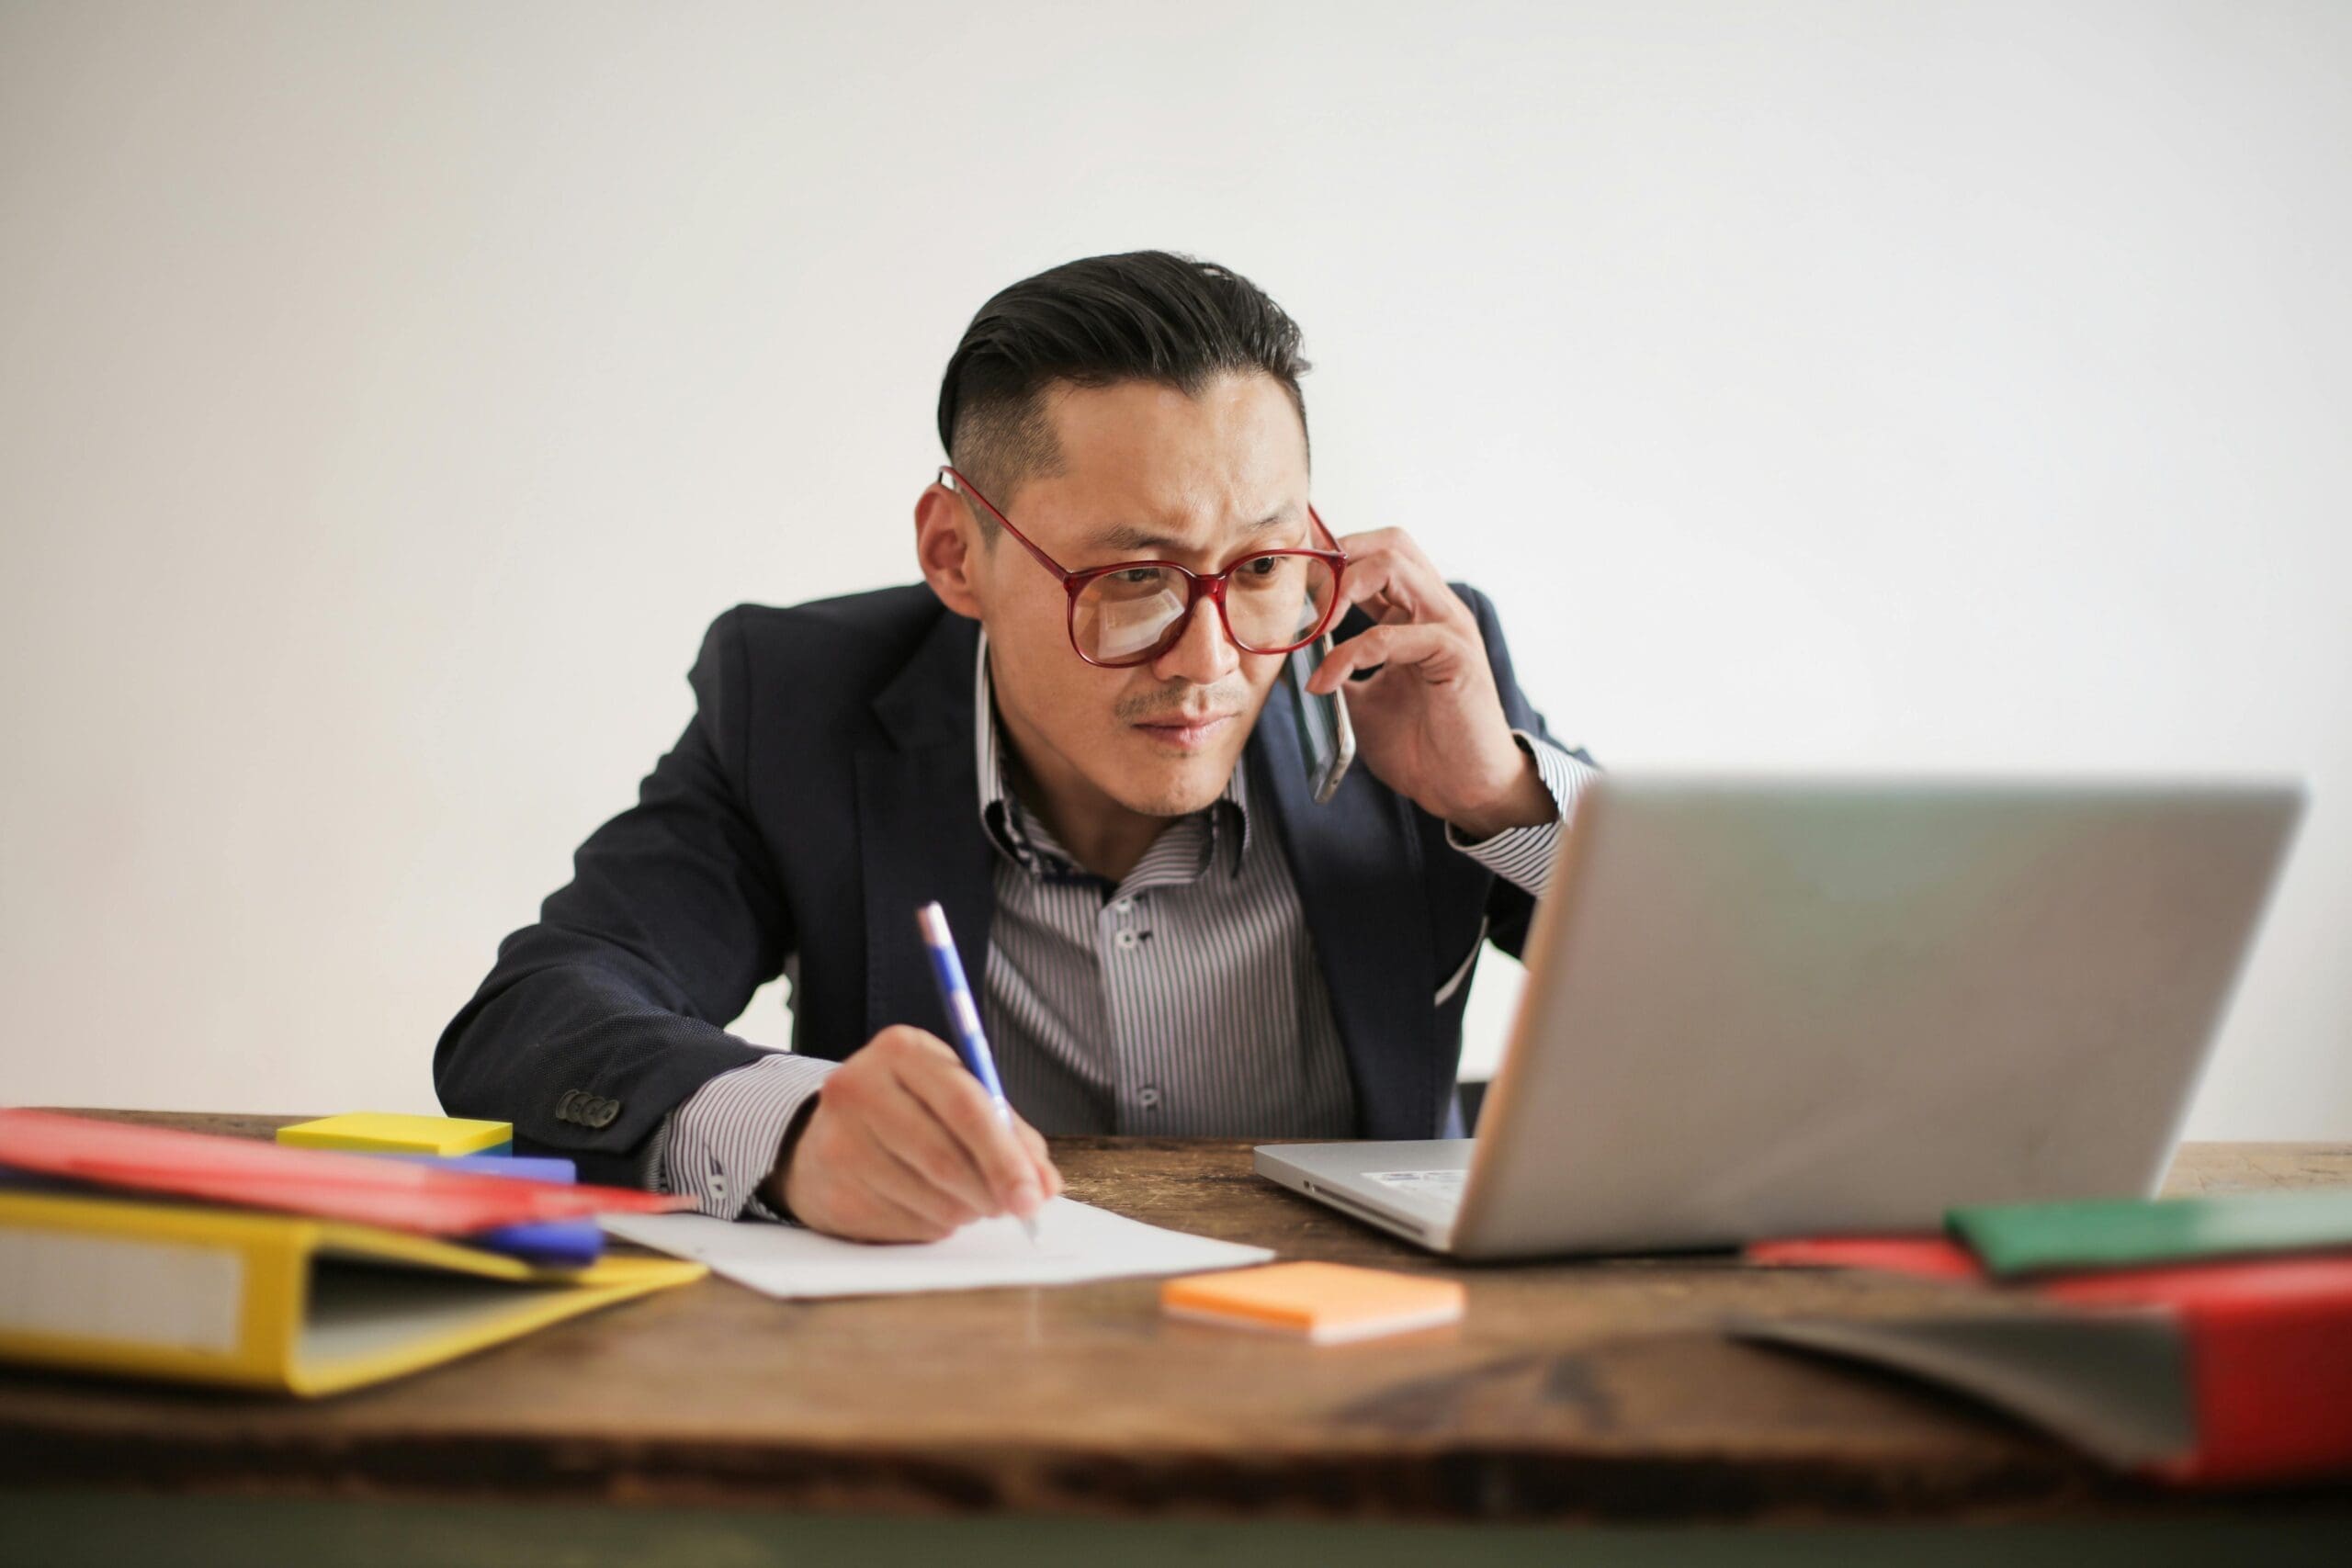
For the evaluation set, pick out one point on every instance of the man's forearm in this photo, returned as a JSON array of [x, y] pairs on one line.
[[584, 1047]]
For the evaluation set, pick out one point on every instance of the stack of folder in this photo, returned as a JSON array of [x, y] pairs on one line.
[[2202, 1342], [146, 1251], [485, 1148]]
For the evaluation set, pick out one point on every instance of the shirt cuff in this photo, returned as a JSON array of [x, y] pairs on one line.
[[723, 1139], [1522, 856]]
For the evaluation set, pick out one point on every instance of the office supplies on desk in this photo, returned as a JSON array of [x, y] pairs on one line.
[[387, 1132], [1326, 1303], [1921, 1257], [552, 1242], [1913, 996], [362, 1189], [525, 1168], [1075, 1243], [272, 1302], [2037, 1238], [2199, 1374], [964, 1017]]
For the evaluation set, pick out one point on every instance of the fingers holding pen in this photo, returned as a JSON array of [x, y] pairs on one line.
[[972, 1104], [910, 1140], [1008, 1164], [846, 1175]]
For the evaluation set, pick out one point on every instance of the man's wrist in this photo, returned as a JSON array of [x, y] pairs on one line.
[[772, 1188], [724, 1137], [1522, 856], [1527, 802]]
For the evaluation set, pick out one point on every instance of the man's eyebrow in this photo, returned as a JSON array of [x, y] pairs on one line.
[[1128, 537]]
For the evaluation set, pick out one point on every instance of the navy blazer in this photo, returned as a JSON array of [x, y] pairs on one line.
[[826, 787]]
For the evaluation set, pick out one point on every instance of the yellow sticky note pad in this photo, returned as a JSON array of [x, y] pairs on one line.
[[1327, 1302], [387, 1132]]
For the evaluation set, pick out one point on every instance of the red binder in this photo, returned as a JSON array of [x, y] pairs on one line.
[[396, 1194], [2212, 1373]]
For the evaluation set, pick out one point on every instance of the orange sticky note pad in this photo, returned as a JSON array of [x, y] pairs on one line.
[[1328, 1302]]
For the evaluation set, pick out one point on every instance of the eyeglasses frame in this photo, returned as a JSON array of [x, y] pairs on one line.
[[1197, 584]]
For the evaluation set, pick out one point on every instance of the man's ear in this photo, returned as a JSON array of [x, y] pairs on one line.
[[948, 548]]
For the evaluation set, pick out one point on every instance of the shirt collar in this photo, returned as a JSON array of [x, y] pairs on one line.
[[1018, 835]]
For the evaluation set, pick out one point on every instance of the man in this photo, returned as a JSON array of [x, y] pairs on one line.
[[1072, 733]]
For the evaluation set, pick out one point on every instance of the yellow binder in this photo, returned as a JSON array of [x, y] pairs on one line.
[[274, 1302]]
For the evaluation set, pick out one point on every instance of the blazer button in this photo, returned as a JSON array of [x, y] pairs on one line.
[[566, 1109], [603, 1113]]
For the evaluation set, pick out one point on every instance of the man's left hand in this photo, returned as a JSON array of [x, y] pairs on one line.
[[1429, 723]]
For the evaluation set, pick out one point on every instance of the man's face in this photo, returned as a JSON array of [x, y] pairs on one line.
[[1147, 473]]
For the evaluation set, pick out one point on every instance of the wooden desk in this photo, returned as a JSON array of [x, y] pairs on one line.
[[1599, 1394]]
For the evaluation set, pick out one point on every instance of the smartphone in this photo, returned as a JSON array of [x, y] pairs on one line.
[[1326, 738]]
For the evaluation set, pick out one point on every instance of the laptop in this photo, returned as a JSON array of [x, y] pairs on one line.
[[1761, 1008]]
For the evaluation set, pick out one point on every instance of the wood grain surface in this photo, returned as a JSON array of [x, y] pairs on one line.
[[1597, 1390]]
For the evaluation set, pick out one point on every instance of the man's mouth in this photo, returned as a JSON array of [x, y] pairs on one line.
[[1186, 731]]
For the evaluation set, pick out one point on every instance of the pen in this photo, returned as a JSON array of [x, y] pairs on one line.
[[963, 1018]]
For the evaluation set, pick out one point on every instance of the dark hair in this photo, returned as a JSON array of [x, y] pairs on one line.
[[1144, 316]]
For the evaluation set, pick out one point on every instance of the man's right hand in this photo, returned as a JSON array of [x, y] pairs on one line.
[[905, 1145]]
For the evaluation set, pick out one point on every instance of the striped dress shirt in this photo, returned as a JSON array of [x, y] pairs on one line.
[[1185, 999]]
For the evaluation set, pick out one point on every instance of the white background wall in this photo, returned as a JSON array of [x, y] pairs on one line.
[[391, 394]]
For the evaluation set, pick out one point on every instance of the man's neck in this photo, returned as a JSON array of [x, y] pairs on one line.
[[1098, 833]]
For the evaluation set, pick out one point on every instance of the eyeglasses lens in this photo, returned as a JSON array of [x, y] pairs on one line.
[[1273, 602]]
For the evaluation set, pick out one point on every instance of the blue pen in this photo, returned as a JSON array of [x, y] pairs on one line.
[[963, 1018]]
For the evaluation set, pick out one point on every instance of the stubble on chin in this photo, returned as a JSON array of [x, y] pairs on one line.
[[1176, 792]]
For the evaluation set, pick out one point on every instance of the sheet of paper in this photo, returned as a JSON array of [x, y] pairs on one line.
[[1076, 1242]]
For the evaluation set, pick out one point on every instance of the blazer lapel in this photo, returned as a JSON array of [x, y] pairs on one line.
[[1357, 864], [918, 826]]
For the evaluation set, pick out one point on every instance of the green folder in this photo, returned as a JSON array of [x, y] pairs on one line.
[[2125, 1232]]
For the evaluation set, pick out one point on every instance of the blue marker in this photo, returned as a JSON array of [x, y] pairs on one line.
[[963, 1017]]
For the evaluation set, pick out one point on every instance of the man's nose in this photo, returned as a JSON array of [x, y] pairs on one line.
[[1201, 654]]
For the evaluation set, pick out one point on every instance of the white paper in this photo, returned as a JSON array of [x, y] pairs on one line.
[[1076, 1242]]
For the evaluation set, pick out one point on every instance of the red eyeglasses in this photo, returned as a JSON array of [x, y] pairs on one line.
[[1132, 612]]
